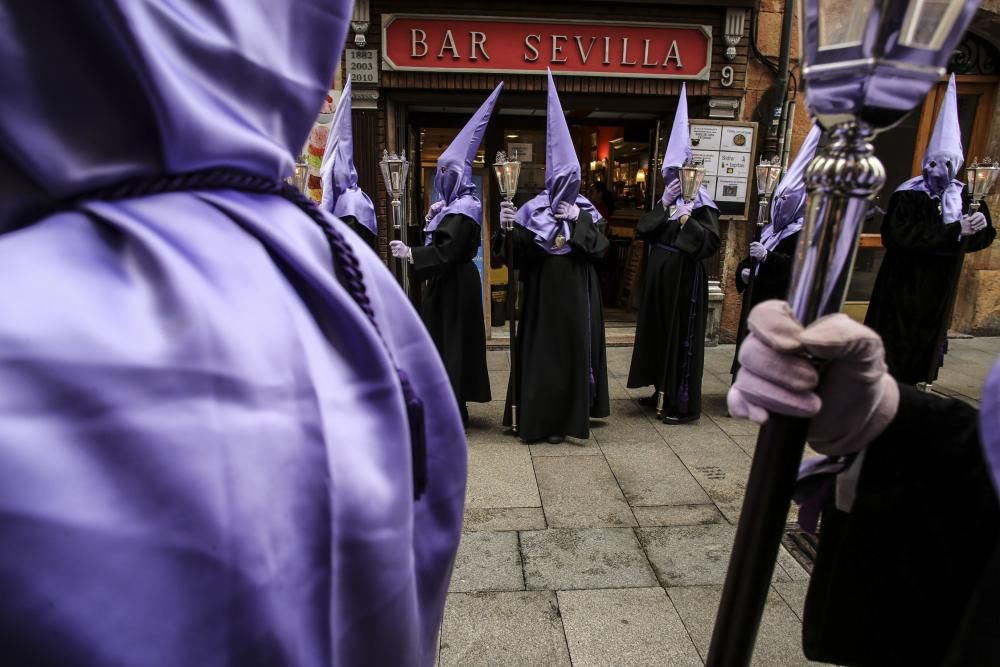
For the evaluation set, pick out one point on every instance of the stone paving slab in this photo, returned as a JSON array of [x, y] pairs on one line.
[[651, 474], [677, 515], [568, 559], [632, 627], [503, 518], [498, 360], [779, 643], [580, 492], [691, 555], [519, 629], [498, 385], [571, 447], [487, 561], [794, 594], [501, 475]]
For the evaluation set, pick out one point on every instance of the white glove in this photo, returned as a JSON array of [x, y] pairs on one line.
[[400, 250], [745, 275], [855, 399], [671, 193], [973, 223], [434, 209], [569, 212], [508, 215], [758, 251]]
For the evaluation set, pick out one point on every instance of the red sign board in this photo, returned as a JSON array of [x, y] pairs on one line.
[[456, 44]]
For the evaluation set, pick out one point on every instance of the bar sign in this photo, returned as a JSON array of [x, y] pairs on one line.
[[362, 65]]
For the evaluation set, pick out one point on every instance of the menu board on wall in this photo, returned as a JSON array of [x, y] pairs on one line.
[[725, 148]]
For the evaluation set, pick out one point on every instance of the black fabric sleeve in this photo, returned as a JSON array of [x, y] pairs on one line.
[[453, 237], [894, 576], [913, 223], [526, 251], [651, 224], [699, 236], [776, 270], [983, 238], [587, 238], [359, 229]]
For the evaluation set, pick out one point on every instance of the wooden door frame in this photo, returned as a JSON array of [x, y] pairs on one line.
[[966, 84]]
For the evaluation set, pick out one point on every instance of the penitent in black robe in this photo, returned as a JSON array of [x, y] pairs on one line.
[[452, 306], [560, 338], [910, 296], [900, 579], [670, 334], [771, 282], [359, 229]]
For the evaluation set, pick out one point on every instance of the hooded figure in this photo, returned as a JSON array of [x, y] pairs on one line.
[[557, 239], [341, 194], [669, 337], [210, 441], [774, 253], [926, 234], [452, 304]]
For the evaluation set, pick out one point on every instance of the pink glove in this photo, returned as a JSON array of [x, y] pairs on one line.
[[758, 251], [434, 209], [856, 399], [508, 216], [973, 223], [400, 250], [671, 193], [569, 212]]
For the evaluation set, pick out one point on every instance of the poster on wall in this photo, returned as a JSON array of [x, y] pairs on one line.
[[520, 151], [725, 148]]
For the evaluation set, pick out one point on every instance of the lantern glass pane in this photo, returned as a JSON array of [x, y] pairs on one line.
[[842, 22], [928, 22]]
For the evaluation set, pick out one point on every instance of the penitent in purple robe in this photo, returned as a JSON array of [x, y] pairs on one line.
[[205, 456]]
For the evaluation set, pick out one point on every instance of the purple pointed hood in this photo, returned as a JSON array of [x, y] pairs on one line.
[[341, 194], [453, 180], [789, 203], [943, 159], [679, 151], [562, 167], [562, 181], [989, 424]]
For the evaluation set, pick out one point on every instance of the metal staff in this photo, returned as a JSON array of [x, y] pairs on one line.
[[980, 177], [691, 174], [861, 76], [507, 172], [768, 173]]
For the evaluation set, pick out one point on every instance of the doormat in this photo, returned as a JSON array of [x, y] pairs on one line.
[[802, 546]]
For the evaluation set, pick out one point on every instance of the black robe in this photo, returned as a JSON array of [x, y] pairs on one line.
[[452, 306], [901, 579], [560, 338], [670, 334], [910, 296], [771, 282], [366, 234]]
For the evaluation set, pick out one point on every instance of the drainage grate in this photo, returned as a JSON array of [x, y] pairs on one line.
[[802, 546]]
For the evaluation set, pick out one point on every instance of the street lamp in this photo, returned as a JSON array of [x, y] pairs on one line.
[[692, 174], [507, 171], [981, 178], [298, 177], [865, 65], [395, 169]]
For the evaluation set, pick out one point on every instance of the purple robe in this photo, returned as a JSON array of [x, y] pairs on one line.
[[205, 455]]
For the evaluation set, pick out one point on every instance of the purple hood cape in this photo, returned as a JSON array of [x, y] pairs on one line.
[[562, 182], [341, 194], [204, 449], [679, 150], [453, 179], [789, 203], [943, 160]]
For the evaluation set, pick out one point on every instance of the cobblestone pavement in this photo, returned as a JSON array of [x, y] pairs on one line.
[[612, 551]]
